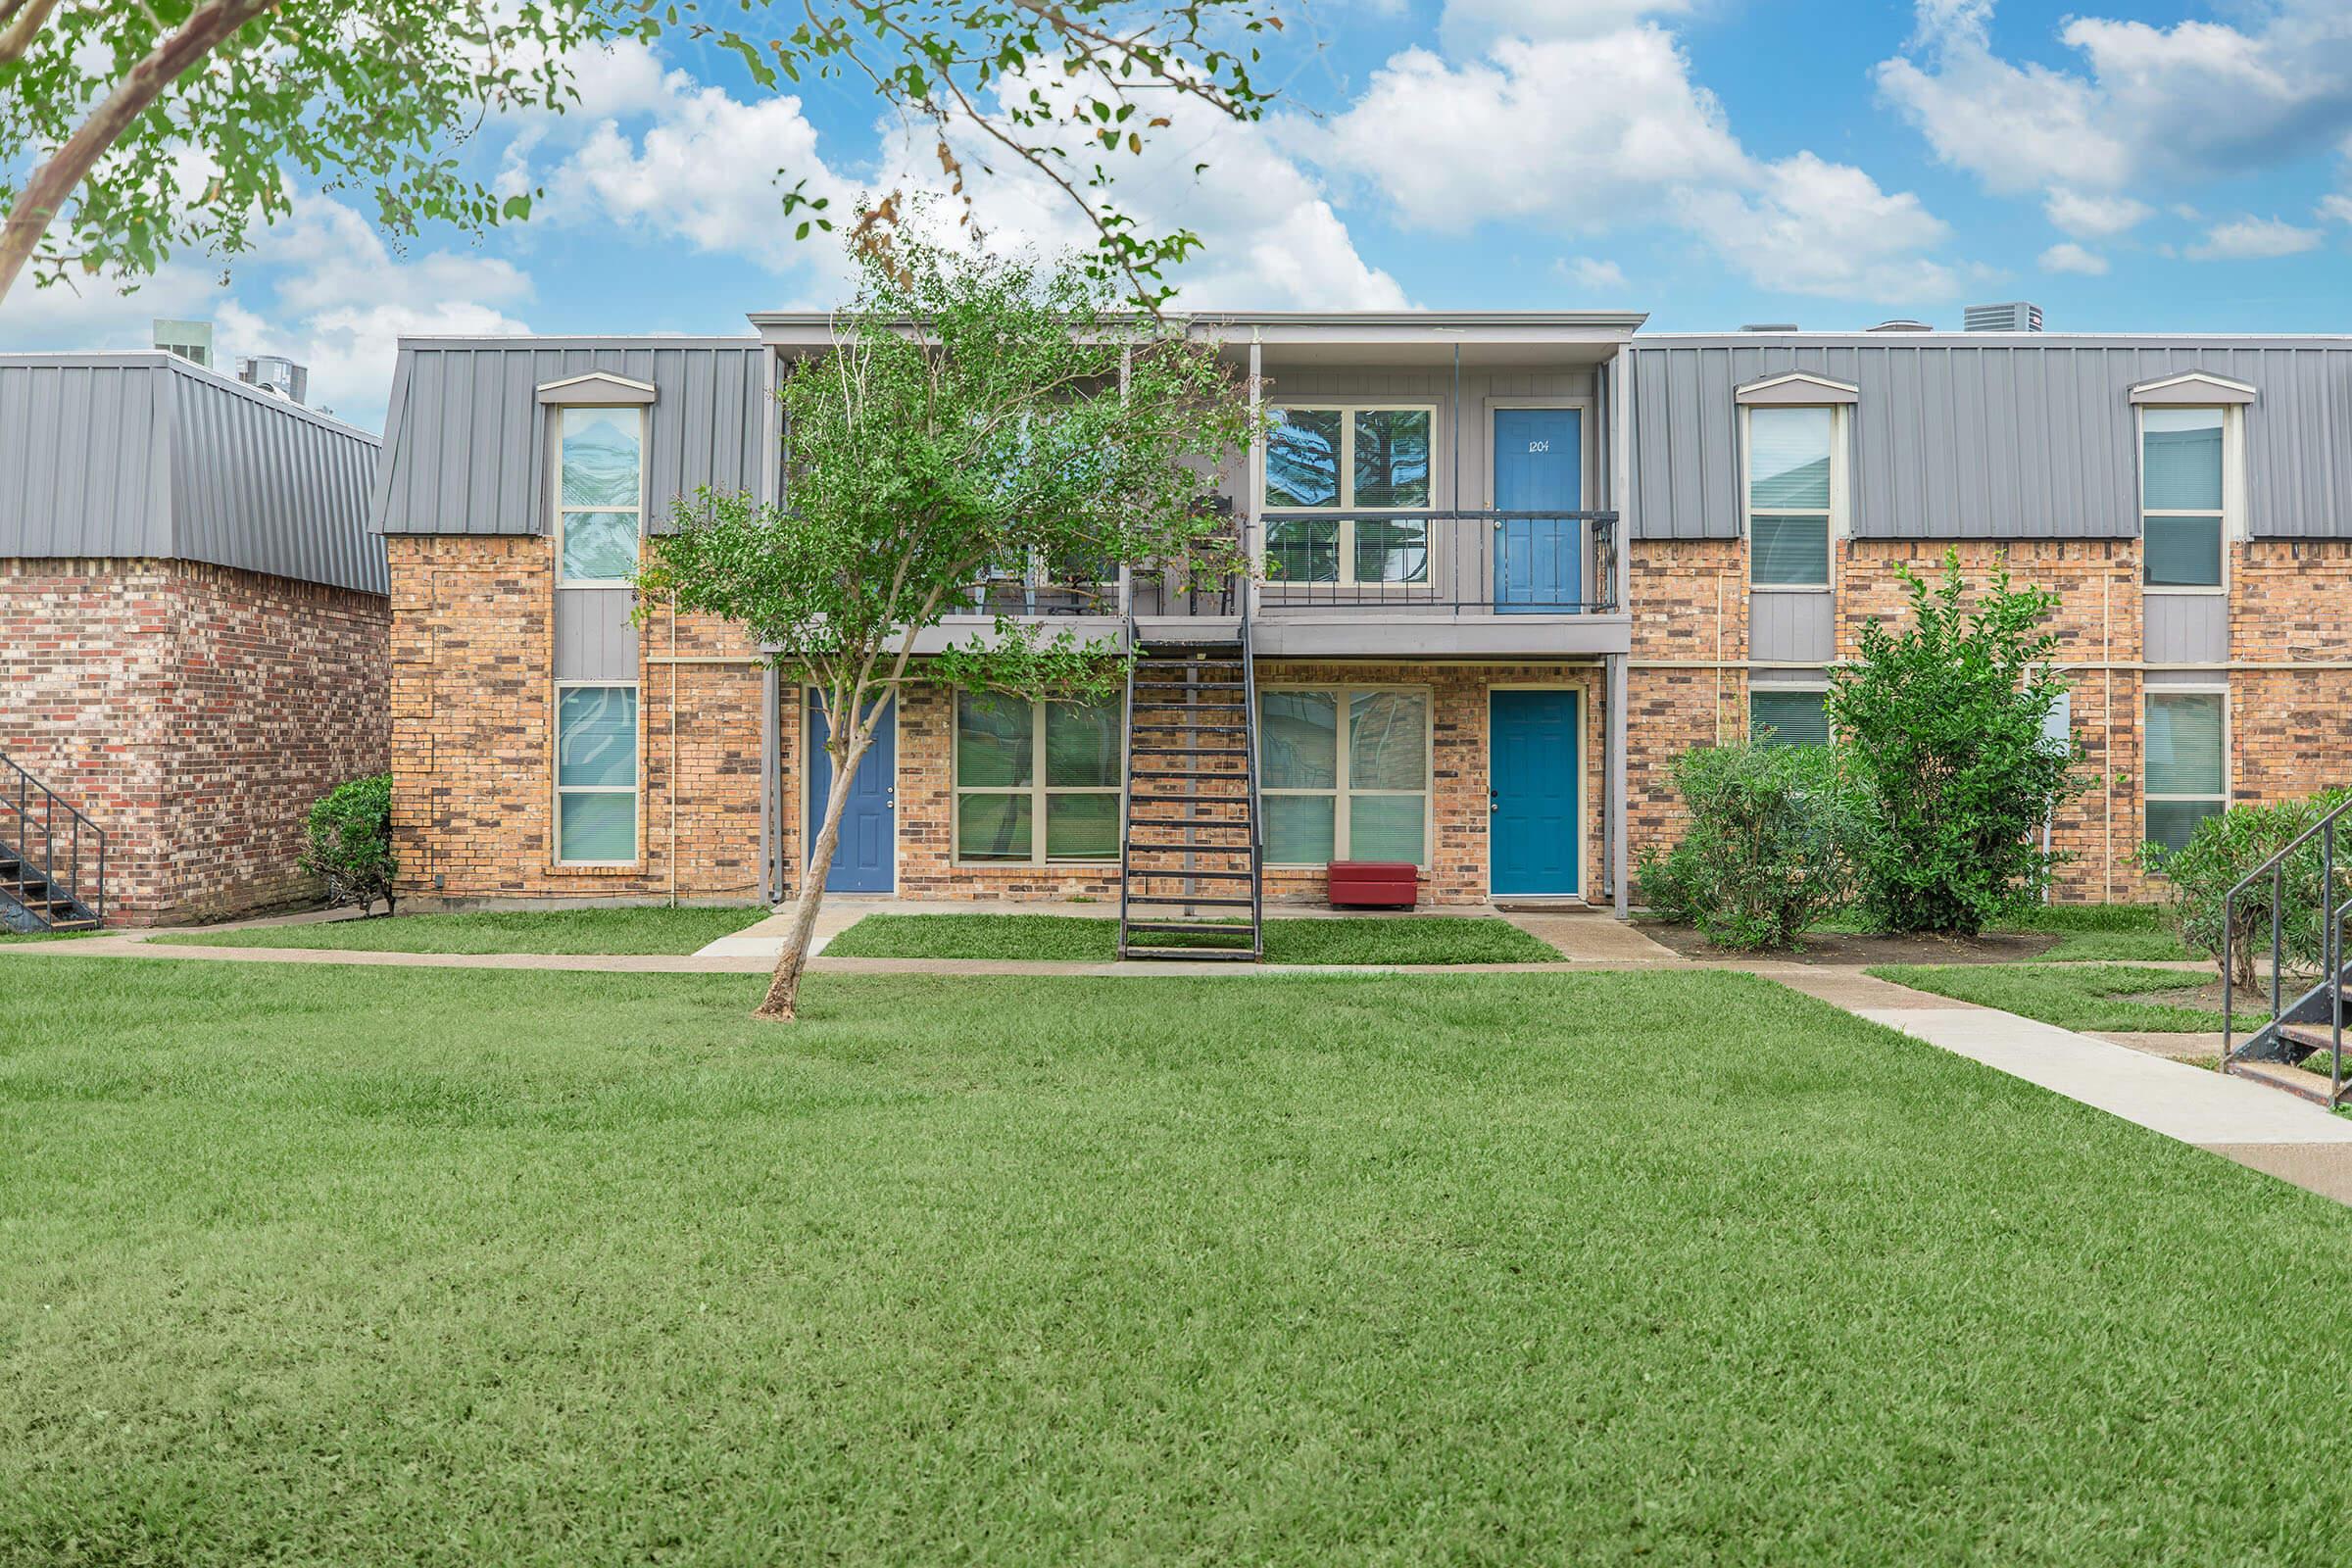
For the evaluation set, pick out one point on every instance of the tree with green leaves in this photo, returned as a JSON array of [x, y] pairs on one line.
[[133, 130], [1945, 720], [976, 418]]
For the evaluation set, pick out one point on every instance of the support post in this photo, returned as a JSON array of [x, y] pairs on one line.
[[771, 787], [1621, 879]]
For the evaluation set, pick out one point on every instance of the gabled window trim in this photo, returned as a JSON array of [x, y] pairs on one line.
[[2195, 389], [597, 389], [1796, 388]]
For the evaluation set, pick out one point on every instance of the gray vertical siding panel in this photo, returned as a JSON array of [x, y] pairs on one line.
[[1999, 439], [594, 637], [2185, 628], [1791, 628]]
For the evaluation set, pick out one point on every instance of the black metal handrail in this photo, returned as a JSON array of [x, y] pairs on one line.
[[1257, 815], [21, 793], [1494, 561], [2333, 916]]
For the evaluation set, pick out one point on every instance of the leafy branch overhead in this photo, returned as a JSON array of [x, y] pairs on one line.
[[131, 131]]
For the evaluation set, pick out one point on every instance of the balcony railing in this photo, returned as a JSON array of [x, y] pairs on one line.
[[1491, 563]]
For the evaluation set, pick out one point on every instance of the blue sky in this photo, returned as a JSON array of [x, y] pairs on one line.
[[2128, 166]]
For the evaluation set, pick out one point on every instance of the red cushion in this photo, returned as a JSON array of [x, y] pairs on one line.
[[1373, 882]]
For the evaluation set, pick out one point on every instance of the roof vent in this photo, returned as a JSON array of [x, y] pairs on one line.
[[1769, 326], [2015, 317], [1903, 323]]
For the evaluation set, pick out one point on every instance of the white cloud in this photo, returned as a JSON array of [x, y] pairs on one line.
[[2068, 257], [2094, 217], [1587, 134], [2195, 100], [2336, 209], [2252, 239], [1817, 227], [1466, 26], [1591, 274]]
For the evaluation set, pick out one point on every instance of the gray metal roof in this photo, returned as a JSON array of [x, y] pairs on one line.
[[467, 442], [1991, 436], [146, 454]]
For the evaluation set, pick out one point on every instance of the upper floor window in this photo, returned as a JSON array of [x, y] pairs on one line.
[[2182, 457], [1343, 461], [1791, 490], [600, 503]]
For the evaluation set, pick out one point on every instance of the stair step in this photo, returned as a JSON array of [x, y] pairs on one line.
[[1206, 900], [73, 925], [1188, 751], [1220, 727], [1222, 824], [1172, 872], [1192, 685], [1214, 954], [1236, 776], [2315, 1035], [1172, 705], [2277, 1075], [1229, 928]]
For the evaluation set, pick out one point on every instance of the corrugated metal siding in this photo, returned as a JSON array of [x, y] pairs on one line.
[[140, 455], [2185, 628], [466, 439], [2005, 439]]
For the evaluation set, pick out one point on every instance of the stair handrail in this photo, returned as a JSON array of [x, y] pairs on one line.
[[2330, 943], [1257, 842], [90, 898]]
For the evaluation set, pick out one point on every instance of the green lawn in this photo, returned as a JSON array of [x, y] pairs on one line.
[[2110, 933], [610, 931], [331, 1264], [1422, 939], [2082, 997]]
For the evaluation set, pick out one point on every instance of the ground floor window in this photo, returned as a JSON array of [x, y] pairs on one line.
[[1357, 793], [2188, 773], [1035, 781], [1785, 717], [596, 774]]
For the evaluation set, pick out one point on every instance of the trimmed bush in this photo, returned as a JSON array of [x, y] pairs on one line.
[[348, 844], [1944, 721], [1771, 847], [2225, 849]]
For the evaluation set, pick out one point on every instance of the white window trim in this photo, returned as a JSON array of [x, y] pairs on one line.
[[555, 428], [2229, 795], [1036, 789], [1341, 790], [2234, 492], [1344, 510], [558, 789], [1840, 417]]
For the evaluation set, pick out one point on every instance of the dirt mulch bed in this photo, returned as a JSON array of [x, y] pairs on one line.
[[1836, 947]]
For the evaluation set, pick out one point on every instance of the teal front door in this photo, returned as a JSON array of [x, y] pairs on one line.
[[1532, 774], [1538, 468]]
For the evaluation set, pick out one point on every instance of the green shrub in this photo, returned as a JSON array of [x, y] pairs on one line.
[[1943, 722], [1770, 848], [350, 842], [2228, 846]]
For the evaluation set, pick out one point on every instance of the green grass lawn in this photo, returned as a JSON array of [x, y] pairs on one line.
[[331, 1264], [2109, 933], [2082, 997], [1423, 939], [613, 931]]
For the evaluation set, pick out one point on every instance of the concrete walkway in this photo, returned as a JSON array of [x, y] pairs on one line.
[[2263, 1128]]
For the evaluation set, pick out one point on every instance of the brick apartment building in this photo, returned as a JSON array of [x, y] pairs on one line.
[[1524, 560], [192, 637]]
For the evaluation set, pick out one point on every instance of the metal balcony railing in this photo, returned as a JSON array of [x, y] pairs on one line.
[[1493, 562]]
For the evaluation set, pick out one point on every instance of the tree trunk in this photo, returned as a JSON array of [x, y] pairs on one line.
[[784, 983]]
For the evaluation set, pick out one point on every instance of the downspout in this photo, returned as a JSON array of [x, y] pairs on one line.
[[673, 753]]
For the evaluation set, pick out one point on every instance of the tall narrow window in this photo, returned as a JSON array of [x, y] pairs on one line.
[[601, 495], [2188, 762], [1036, 782], [1326, 469], [1361, 797], [596, 774], [1789, 456], [2181, 459]]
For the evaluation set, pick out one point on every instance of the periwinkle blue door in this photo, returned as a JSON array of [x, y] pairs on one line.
[[1539, 466], [866, 859], [1532, 774]]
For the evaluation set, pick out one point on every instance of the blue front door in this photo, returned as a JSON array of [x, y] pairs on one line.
[[867, 859], [1531, 777], [1539, 466]]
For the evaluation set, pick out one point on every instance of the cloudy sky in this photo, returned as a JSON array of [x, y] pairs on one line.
[[2147, 166]]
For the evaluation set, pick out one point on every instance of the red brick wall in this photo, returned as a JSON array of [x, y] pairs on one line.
[[1686, 685], [194, 713]]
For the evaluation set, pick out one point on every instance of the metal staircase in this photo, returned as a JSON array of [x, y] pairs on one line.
[[2312, 1024], [1190, 850], [52, 858]]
